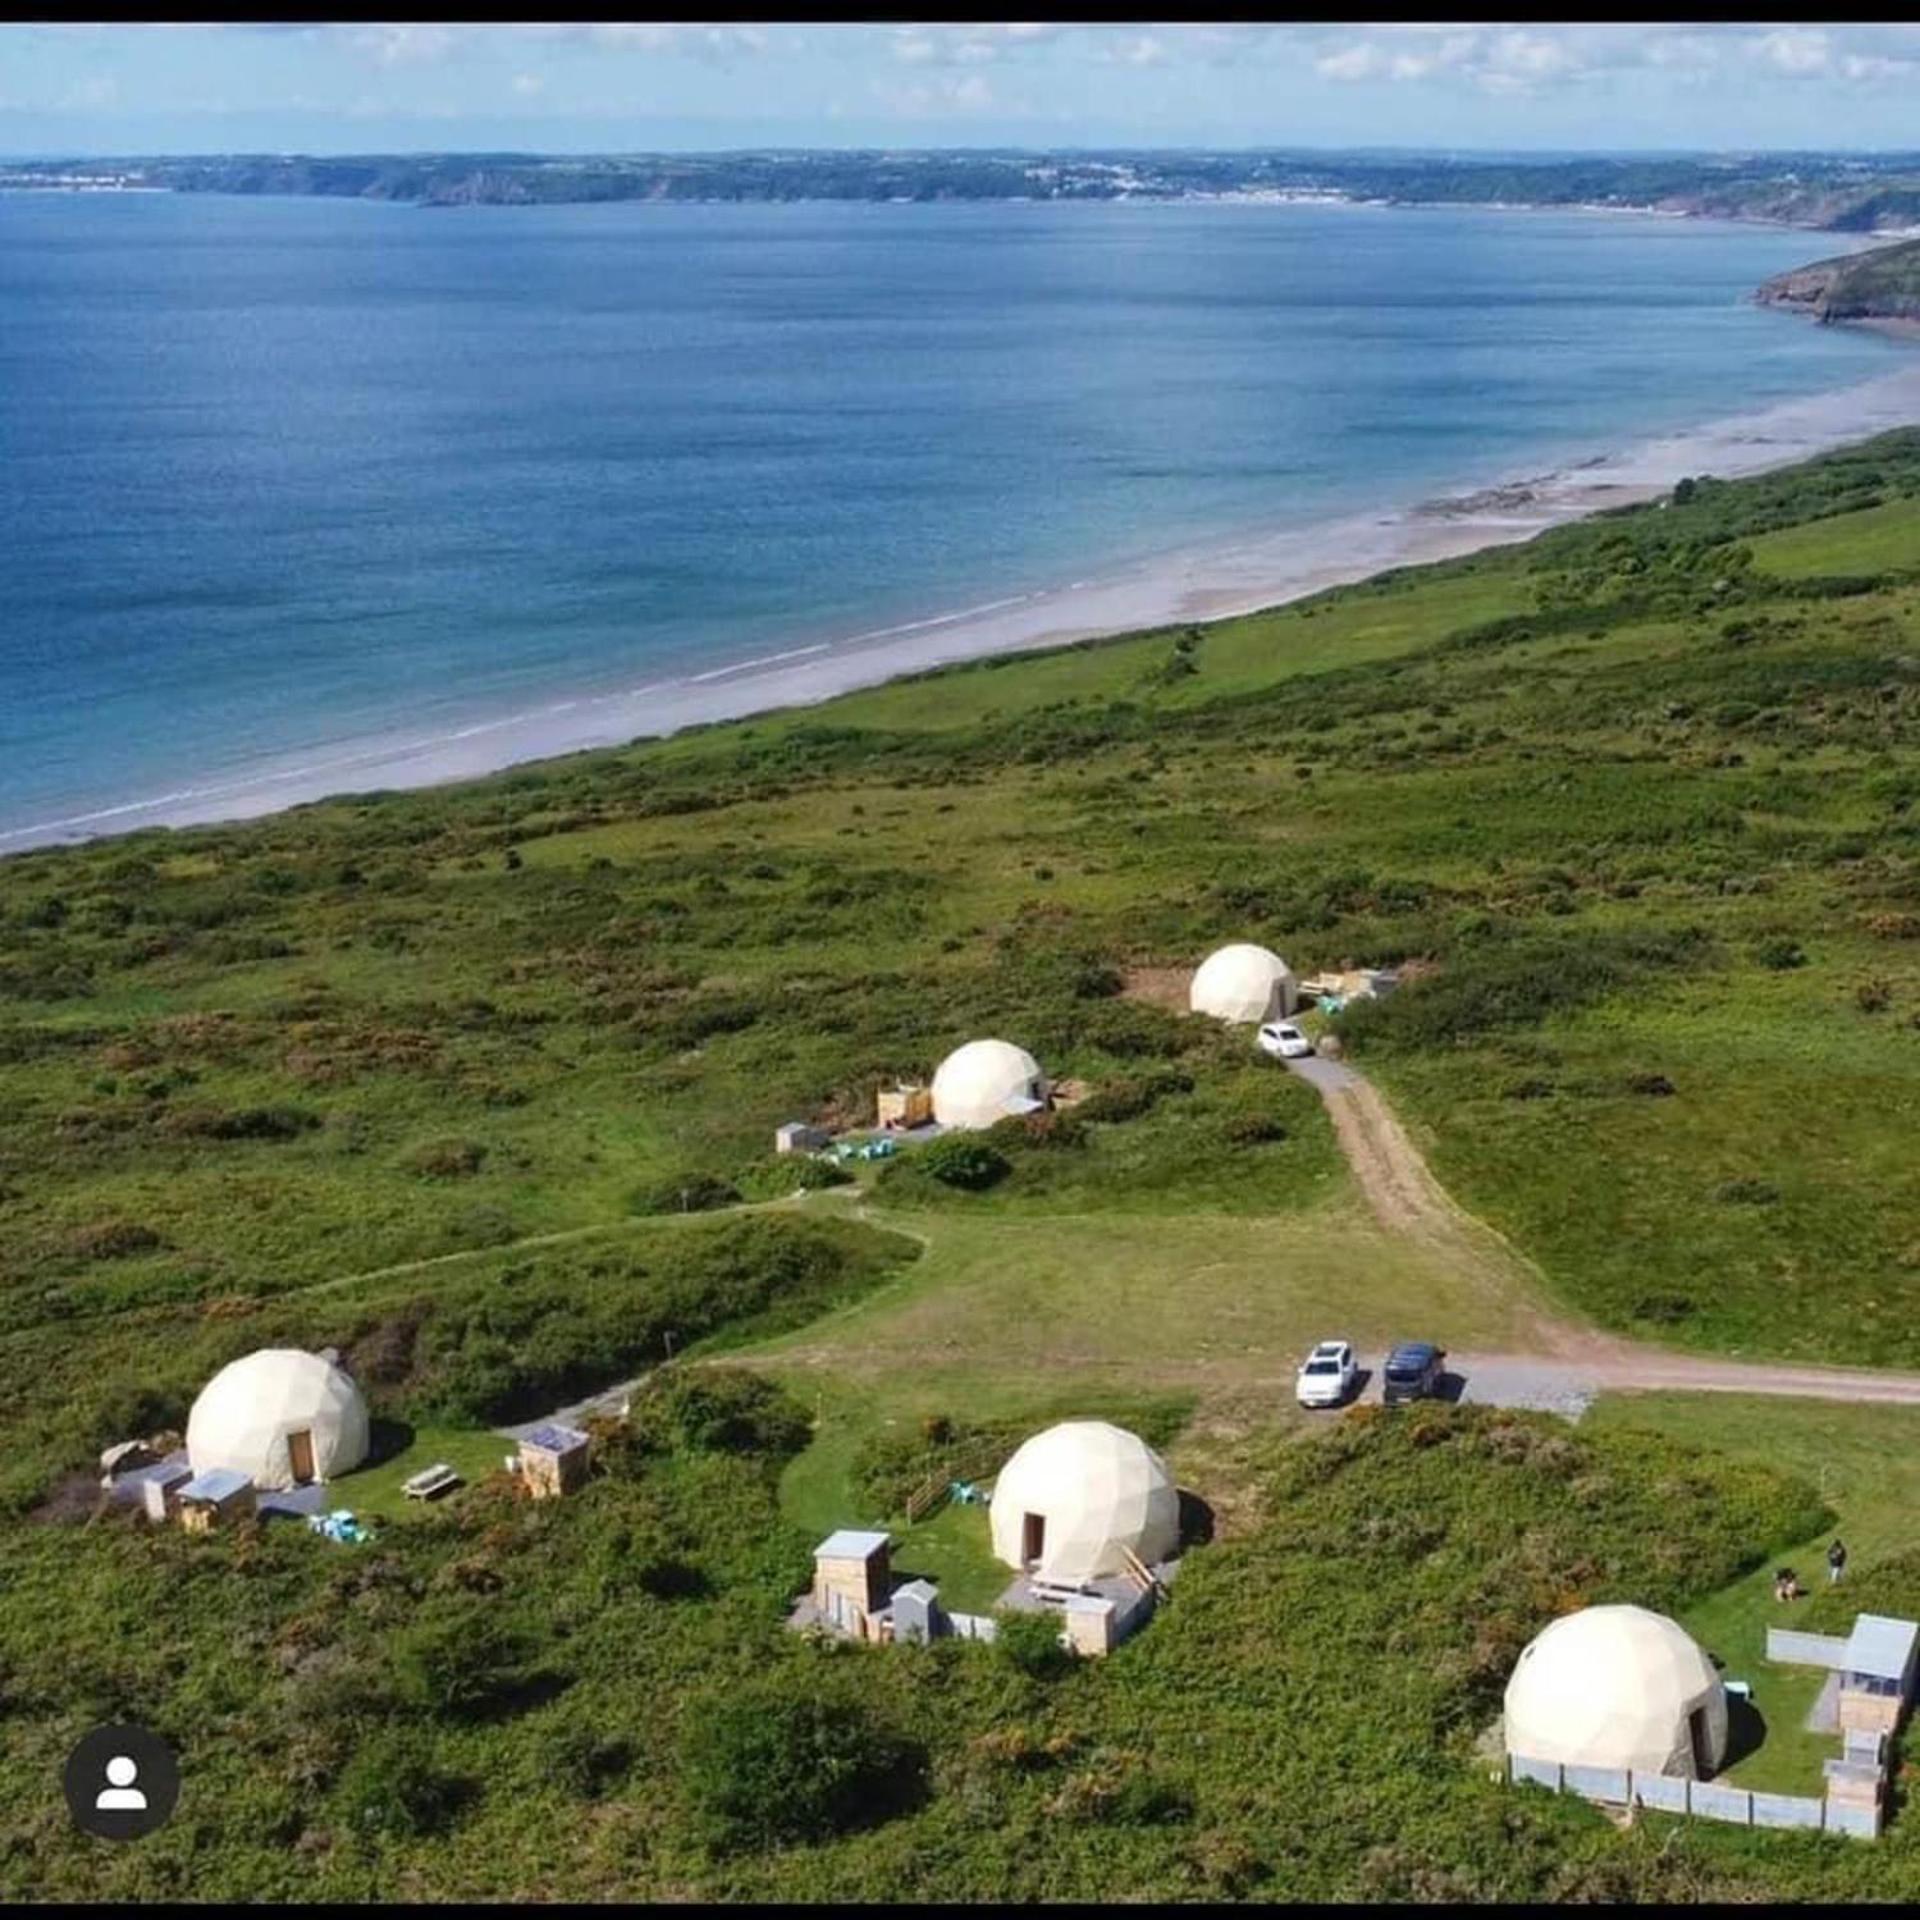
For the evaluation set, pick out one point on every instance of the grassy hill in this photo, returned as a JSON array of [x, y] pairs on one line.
[[436, 1076]]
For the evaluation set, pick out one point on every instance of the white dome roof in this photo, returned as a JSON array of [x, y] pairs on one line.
[[1242, 983], [1093, 1489], [984, 1081], [250, 1414], [1616, 1687]]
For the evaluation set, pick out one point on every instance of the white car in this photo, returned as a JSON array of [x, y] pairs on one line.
[[1283, 1040], [1326, 1375]]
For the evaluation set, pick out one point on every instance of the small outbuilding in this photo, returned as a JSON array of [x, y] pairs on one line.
[[281, 1417], [216, 1498], [160, 1490], [852, 1580], [553, 1460], [985, 1081], [1081, 1501], [1877, 1673], [907, 1105], [1243, 984], [1617, 1687], [799, 1136]]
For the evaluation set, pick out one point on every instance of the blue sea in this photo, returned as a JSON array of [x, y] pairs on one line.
[[280, 475]]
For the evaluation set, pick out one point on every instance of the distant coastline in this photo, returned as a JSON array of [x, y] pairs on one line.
[[1864, 194], [1217, 580]]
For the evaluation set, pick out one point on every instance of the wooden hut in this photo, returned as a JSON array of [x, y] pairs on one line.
[[1877, 1673], [217, 1498], [906, 1105], [553, 1461], [852, 1580]]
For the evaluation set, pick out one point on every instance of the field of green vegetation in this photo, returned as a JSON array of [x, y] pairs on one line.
[[479, 1084]]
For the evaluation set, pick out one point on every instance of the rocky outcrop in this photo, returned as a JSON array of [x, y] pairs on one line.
[[1883, 284]]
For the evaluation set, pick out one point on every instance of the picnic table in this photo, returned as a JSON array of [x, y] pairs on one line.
[[430, 1482]]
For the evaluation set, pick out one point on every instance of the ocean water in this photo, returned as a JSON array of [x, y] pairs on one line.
[[280, 475]]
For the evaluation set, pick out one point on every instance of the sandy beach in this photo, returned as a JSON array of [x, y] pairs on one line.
[[1203, 582]]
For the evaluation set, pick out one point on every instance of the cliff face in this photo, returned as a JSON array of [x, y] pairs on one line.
[[1881, 285]]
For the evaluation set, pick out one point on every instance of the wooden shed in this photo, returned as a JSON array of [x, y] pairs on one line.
[[216, 1498], [907, 1105], [852, 1580], [553, 1460], [1876, 1676]]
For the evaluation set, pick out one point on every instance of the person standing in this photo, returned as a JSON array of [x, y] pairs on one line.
[[1836, 1562]]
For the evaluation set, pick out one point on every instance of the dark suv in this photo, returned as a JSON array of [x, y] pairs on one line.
[[1413, 1371]]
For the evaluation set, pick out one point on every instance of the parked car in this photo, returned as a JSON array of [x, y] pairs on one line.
[[1326, 1375], [1283, 1040], [1413, 1371]]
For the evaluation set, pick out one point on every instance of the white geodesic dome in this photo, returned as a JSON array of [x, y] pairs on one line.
[[1243, 983], [1081, 1492], [984, 1081], [1617, 1687], [251, 1414]]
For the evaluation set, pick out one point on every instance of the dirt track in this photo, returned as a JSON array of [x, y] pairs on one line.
[[1406, 1199]]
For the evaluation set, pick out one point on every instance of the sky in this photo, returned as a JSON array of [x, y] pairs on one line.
[[73, 90]]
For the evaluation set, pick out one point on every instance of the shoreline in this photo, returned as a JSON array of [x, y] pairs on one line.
[[1219, 579]]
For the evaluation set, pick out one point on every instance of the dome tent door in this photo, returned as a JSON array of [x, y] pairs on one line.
[[300, 1456], [1701, 1737], [1033, 1539]]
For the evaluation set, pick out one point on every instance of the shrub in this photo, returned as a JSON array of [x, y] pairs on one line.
[[245, 1123], [1251, 1127], [1131, 1096], [813, 1176], [687, 1193], [583, 1760], [1021, 1131], [461, 1665], [1655, 1085], [719, 1410], [445, 1159], [1031, 1641], [1780, 954], [112, 1240], [1873, 996], [1747, 1192], [956, 1160], [1528, 1088], [394, 1787], [766, 1765]]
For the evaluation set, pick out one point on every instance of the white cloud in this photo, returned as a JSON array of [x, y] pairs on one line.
[[1797, 50], [944, 96], [1146, 50], [712, 43], [403, 46], [528, 83]]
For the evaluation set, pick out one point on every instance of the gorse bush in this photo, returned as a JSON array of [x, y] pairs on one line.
[[959, 1160], [687, 1193], [775, 1762]]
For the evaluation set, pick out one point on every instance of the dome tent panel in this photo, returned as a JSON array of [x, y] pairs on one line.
[[1074, 1500], [985, 1081], [1617, 1686], [1243, 984], [281, 1416]]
